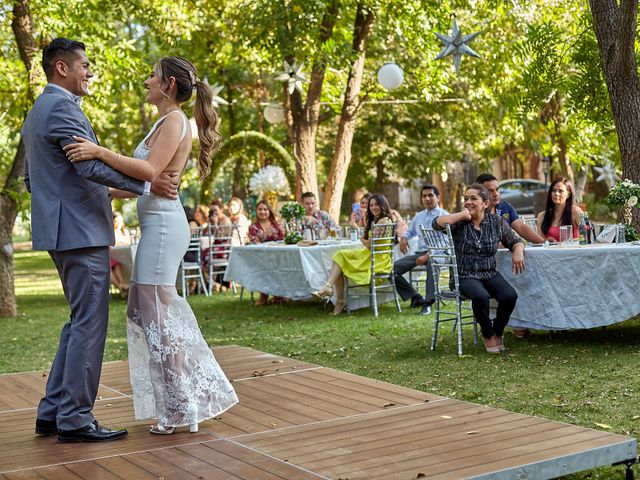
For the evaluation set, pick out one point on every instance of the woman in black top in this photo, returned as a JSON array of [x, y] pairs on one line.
[[476, 235]]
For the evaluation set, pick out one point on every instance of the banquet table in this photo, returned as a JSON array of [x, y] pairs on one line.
[[580, 286], [289, 271]]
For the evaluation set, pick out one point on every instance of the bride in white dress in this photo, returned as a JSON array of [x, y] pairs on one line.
[[174, 375]]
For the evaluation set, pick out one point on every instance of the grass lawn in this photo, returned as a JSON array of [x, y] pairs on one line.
[[587, 377]]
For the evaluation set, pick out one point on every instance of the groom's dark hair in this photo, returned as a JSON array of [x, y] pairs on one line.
[[58, 49]]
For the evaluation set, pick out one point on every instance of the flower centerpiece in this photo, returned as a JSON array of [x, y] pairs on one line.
[[292, 213], [624, 196], [269, 183]]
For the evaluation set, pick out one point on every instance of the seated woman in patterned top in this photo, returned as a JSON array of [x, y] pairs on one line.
[[476, 235], [265, 229]]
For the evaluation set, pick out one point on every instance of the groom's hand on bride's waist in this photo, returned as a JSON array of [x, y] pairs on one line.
[[166, 185]]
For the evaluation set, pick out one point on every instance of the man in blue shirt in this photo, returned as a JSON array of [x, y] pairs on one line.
[[506, 210], [430, 197]]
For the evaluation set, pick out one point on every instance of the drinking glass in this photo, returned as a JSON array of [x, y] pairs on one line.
[[566, 234]]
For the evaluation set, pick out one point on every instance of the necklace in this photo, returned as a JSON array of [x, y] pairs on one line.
[[478, 236]]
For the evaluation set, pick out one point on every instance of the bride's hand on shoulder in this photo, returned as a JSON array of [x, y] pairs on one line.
[[82, 150]]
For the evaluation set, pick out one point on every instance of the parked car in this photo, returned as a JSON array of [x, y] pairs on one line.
[[520, 193]]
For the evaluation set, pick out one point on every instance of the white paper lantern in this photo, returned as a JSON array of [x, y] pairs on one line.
[[274, 113], [390, 76]]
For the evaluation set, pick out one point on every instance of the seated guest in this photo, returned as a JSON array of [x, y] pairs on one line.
[[239, 220], [359, 217], [218, 219], [120, 230], [430, 197], [559, 211], [201, 215], [506, 210], [265, 228], [122, 238], [476, 235], [313, 215], [356, 264], [191, 219]]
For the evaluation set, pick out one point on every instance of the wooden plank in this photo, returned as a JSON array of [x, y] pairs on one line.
[[224, 453], [123, 468], [159, 467], [57, 473], [91, 470], [190, 463]]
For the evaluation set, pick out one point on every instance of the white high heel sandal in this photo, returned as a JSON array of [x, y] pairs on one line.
[[193, 428]]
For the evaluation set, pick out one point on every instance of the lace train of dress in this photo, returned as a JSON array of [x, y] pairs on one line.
[[174, 374]]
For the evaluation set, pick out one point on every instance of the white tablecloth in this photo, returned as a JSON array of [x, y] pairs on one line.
[[574, 287], [288, 271]]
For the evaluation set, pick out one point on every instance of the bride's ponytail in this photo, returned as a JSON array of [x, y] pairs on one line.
[[207, 120]]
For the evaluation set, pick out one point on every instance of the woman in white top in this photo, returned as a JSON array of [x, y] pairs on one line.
[[174, 376]]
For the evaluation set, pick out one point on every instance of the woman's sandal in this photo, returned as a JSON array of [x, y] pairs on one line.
[[324, 292], [160, 430]]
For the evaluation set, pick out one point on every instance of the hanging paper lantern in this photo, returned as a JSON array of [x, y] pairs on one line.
[[274, 113], [390, 76]]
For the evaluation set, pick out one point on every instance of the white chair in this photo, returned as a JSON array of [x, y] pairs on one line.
[[221, 238], [447, 286], [192, 269], [382, 240]]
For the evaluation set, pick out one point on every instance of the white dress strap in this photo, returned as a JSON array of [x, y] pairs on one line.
[[185, 125], [185, 122]]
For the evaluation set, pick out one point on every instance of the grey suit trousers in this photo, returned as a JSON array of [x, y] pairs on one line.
[[404, 288], [75, 374]]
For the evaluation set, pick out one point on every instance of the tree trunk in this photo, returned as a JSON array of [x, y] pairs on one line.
[[22, 26], [365, 18], [302, 119], [615, 28]]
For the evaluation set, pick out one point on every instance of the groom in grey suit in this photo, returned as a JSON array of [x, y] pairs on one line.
[[71, 218]]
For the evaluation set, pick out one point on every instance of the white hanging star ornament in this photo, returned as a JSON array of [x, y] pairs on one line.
[[292, 74], [216, 99], [456, 45], [608, 174]]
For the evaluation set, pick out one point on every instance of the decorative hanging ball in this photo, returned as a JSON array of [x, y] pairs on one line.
[[274, 113], [390, 76]]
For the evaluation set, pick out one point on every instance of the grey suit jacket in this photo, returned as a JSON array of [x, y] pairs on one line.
[[70, 207]]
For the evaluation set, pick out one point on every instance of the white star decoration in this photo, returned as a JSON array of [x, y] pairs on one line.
[[216, 99], [292, 74], [608, 174], [456, 45]]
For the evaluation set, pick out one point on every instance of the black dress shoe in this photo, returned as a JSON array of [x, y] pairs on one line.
[[91, 433], [417, 301], [46, 427]]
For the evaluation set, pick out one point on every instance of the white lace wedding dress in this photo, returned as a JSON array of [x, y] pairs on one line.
[[174, 375]]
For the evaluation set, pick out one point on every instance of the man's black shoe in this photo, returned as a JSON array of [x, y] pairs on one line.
[[91, 433], [46, 427], [417, 301]]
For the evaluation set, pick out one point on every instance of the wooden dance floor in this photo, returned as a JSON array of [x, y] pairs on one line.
[[298, 421]]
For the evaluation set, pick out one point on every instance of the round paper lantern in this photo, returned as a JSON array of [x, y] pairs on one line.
[[274, 113], [390, 76]]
